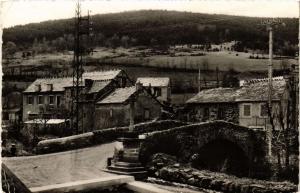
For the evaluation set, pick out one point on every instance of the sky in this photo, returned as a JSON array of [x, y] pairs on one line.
[[19, 12]]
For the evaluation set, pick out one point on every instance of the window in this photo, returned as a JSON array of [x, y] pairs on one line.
[[263, 110], [221, 114], [146, 114], [5, 116], [247, 110], [158, 92], [40, 99], [51, 100], [30, 100], [206, 113], [111, 113], [58, 100]]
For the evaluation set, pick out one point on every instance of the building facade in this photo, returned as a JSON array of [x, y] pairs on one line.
[[159, 87], [246, 105], [125, 106], [48, 96]]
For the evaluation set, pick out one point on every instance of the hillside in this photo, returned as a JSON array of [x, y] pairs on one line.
[[158, 27]]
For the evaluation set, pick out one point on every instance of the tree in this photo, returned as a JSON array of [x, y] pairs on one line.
[[114, 41], [10, 49], [205, 64], [133, 41], [283, 116], [125, 41], [153, 42], [100, 39], [229, 79]]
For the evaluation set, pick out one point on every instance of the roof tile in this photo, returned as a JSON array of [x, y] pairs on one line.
[[59, 84], [256, 91], [120, 95]]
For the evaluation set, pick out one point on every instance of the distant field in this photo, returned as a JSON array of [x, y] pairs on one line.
[[181, 69], [210, 61], [224, 61]]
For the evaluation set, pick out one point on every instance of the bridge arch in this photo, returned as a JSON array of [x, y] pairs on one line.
[[186, 141], [222, 155]]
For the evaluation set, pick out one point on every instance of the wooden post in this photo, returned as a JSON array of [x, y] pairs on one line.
[[270, 74]]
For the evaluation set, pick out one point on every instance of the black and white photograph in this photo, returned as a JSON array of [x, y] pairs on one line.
[[150, 96]]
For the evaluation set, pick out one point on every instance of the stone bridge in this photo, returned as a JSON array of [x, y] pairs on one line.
[[218, 146]]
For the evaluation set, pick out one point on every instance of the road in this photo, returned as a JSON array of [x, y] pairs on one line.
[[63, 167], [82, 164]]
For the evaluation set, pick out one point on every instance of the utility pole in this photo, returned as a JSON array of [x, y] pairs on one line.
[[82, 27], [297, 86], [199, 79], [270, 24]]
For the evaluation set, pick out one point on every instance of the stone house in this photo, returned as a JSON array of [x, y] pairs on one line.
[[159, 87], [213, 104], [126, 106], [50, 96], [246, 105]]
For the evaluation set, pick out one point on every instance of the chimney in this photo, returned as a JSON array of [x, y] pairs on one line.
[[38, 87], [138, 86], [88, 82], [49, 87]]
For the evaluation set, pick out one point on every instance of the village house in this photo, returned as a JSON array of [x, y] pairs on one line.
[[49, 94], [126, 106], [50, 99], [246, 105], [159, 87]]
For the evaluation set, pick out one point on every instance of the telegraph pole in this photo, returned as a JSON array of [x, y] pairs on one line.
[[199, 79], [270, 23], [82, 27]]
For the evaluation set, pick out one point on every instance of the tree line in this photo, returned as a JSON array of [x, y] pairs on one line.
[[156, 27]]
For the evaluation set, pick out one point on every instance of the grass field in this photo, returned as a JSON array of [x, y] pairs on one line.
[[182, 60], [181, 68]]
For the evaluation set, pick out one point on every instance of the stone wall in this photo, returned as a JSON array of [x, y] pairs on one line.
[[222, 182], [65, 143], [101, 136], [111, 115], [184, 141], [216, 111]]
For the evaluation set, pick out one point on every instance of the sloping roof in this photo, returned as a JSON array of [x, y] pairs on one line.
[[59, 84], [254, 91], [101, 75], [120, 95], [258, 91], [215, 95], [97, 86], [46, 121], [154, 81]]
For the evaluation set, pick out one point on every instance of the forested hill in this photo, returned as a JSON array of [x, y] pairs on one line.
[[161, 27]]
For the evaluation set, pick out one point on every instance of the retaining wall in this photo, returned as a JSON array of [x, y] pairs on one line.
[[101, 136]]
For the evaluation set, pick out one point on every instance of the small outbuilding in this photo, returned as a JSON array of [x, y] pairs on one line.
[[126, 106]]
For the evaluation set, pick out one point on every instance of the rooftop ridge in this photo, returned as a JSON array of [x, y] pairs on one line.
[[256, 80], [69, 76]]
